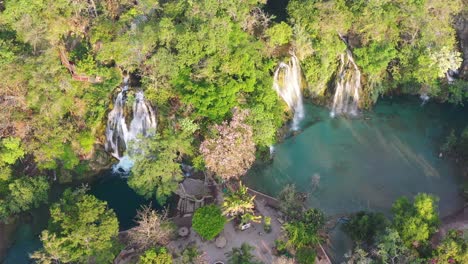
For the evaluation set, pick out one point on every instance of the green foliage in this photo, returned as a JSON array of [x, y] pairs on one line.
[[280, 246], [305, 255], [208, 221], [156, 256], [81, 229], [416, 221], [303, 232], [242, 255], [156, 172], [391, 248], [396, 43], [365, 226], [191, 255], [26, 193], [374, 58], [290, 202], [10, 151], [453, 249], [208, 99], [279, 34], [267, 224], [23, 194], [457, 92]]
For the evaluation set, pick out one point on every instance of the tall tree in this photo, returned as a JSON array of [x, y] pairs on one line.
[[156, 172], [417, 221], [82, 229]]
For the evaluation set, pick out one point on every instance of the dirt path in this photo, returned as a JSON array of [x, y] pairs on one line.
[[455, 221]]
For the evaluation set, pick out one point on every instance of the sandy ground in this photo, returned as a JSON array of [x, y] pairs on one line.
[[261, 241]]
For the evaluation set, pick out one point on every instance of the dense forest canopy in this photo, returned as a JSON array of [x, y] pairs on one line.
[[62, 60]]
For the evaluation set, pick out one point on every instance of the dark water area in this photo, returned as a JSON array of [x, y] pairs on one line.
[[121, 198], [366, 163], [109, 187], [277, 8]]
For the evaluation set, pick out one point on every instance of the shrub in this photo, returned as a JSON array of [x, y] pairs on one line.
[[208, 221], [156, 256], [364, 226], [267, 224], [305, 255]]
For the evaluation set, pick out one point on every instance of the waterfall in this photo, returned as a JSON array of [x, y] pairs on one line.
[[116, 129], [287, 83], [347, 88], [144, 119], [118, 134]]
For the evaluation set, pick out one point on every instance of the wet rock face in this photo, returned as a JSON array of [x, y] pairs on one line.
[[100, 159], [461, 26]]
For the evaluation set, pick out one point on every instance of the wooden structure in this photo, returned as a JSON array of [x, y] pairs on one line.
[[193, 194], [72, 69]]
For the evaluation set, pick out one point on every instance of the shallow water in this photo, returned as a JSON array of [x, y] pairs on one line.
[[347, 165]]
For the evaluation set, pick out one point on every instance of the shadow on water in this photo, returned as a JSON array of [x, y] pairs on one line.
[[277, 8]]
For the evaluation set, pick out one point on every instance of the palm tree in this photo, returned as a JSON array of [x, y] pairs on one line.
[[242, 255], [238, 202]]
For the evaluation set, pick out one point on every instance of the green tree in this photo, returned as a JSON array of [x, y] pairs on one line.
[[417, 221], [156, 256], [22, 194], [10, 151], [82, 229], [192, 255], [301, 234], [26, 193], [241, 255], [156, 172], [279, 34], [453, 249], [364, 227], [304, 231], [391, 248], [208, 221], [305, 255], [290, 202]]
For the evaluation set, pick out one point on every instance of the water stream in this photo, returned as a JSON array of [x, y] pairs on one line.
[[119, 134], [287, 82], [347, 88]]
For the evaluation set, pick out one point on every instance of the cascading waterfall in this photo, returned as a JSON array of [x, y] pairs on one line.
[[348, 87], [144, 119], [118, 135], [287, 83], [116, 129]]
